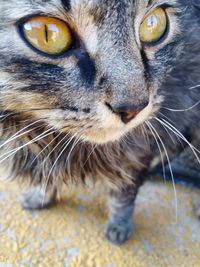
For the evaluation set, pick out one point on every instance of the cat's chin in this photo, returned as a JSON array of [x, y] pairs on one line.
[[104, 136]]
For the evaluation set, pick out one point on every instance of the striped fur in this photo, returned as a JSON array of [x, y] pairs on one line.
[[56, 125]]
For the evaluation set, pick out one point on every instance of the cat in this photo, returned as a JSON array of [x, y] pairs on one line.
[[98, 90]]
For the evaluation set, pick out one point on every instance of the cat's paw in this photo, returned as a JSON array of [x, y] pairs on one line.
[[118, 233], [35, 198]]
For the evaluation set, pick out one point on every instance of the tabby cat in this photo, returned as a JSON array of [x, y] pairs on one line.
[[98, 90]]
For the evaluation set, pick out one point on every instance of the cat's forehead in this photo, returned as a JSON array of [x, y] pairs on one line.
[[73, 5], [94, 10], [106, 3]]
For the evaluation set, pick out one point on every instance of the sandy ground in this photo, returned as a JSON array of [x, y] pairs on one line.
[[70, 234]]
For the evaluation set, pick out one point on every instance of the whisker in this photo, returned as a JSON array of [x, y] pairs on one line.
[[20, 133], [50, 153], [46, 147], [170, 135], [18, 147], [54, 164], [177, 132], [89, 155], [145, 134], [166, 116], [69, 154], [182, 110], [4, 117], [194, 87], [15, 125], [14, 151], [171, 172], [159, 148]]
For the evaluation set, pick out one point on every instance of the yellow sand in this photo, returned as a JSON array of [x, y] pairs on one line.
[[70, 234]]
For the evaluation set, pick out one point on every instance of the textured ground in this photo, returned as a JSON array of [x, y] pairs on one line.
[[70, 233]]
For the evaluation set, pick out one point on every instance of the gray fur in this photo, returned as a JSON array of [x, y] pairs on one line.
[[120, 225], [58, 124]]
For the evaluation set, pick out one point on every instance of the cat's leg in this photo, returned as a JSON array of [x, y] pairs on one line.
[[38, 198], [120, 223]]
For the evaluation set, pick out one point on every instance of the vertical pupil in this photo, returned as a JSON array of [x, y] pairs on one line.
[[46, 33]]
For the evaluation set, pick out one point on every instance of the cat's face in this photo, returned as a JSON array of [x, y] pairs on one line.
[[98, 85]]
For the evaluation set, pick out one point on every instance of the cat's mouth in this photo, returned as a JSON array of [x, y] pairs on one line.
[[112, 128], [102, 125]]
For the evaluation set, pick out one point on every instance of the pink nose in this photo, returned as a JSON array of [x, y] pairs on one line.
[[127, 112]]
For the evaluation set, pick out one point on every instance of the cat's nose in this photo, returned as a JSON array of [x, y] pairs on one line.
[[127, 112]]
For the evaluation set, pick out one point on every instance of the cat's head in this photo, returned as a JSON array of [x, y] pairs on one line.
[[87, 67]]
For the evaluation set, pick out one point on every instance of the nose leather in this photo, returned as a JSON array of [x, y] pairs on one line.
[[127, 112]]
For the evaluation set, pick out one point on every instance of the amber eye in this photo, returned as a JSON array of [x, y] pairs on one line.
[[49, 35], [154, 26]]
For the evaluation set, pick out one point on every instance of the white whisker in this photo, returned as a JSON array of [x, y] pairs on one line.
[[46, 147], [20, 133], [50, 153], [145, 134], [177, 132], [69, 154], [159, 148], [194, 87], [182, 110], [168, 132], [92, 150], [64, 146], [14, 151], [171, 172]]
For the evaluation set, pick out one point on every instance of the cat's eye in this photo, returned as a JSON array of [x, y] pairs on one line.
[[154, 26], [49, 35]]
